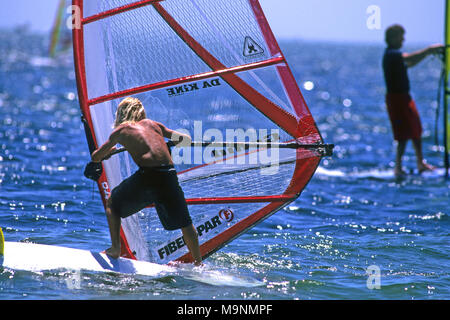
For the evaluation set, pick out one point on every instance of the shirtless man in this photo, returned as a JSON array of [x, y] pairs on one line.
[[403, 114], [156, 180]]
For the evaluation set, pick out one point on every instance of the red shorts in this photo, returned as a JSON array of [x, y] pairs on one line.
[[405, 119]]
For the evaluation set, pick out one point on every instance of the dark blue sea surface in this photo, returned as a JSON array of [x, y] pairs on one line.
[[353, 217]]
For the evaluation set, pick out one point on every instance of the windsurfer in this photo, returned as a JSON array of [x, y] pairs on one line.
[[156, 180], [403, 114]]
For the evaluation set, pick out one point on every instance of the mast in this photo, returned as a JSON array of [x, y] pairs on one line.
[[446, 83], [56, 29]]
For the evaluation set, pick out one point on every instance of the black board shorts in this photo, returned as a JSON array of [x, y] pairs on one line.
[[158, 186]]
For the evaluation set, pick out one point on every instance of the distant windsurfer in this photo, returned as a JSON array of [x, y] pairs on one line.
[[156, 180], [403, 114]]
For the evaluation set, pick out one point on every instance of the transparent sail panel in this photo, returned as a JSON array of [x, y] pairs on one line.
[[134, 52], [210, 220]]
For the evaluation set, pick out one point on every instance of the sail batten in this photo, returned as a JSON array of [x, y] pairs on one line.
[[119, 10], [187, 79]]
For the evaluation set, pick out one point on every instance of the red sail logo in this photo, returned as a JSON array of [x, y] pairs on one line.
[[226, 214]]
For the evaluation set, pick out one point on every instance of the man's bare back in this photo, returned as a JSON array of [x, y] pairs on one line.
[[145, 143], [144, 140]]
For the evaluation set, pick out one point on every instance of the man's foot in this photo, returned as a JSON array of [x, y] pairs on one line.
[[425, 167], [113, 252], [198, 264], [398, 172], [177, 264]]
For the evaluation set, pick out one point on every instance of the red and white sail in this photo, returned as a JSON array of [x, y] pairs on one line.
[[214, 70]]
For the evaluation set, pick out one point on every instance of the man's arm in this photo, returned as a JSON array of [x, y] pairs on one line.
[[411, 59], [175, 136], [106, 149]]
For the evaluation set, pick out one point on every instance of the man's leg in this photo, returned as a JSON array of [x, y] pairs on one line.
[[191, 239], [401, 145], [421, 164], [114, 230]]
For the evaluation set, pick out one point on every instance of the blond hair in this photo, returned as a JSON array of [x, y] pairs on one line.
[[129, 110]]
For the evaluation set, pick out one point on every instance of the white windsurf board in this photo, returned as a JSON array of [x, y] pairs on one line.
[[39, 257]]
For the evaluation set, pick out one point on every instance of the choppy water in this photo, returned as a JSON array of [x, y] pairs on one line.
[[319, 247]]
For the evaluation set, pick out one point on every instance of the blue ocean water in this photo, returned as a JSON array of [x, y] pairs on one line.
[[351, 218]]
